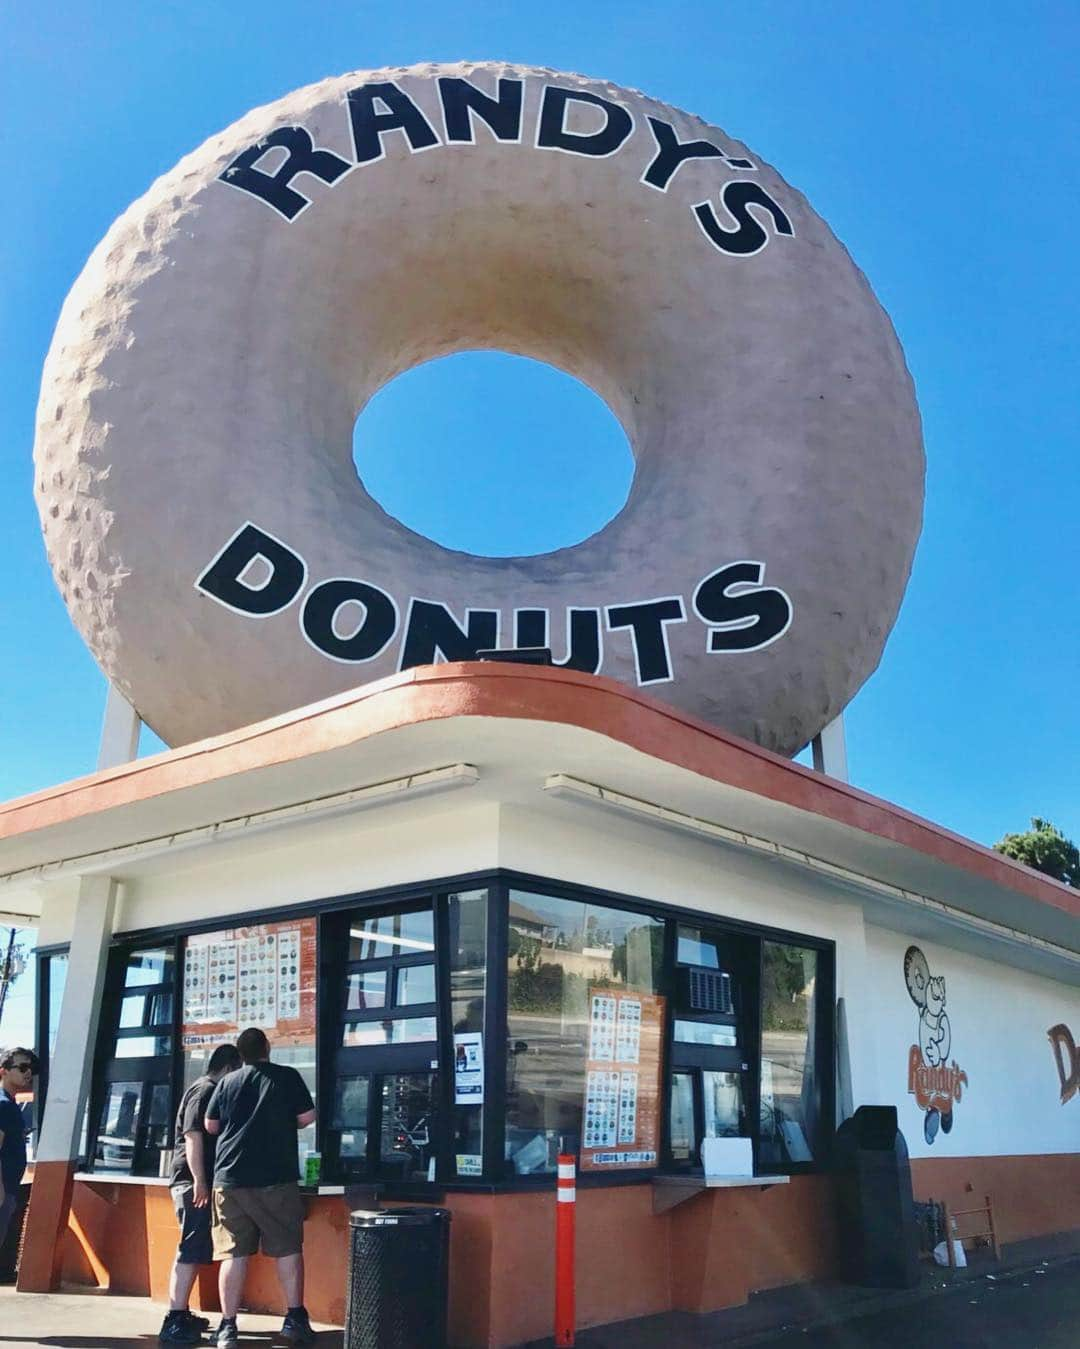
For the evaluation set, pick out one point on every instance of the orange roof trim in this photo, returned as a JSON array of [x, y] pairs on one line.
[[532, 693]]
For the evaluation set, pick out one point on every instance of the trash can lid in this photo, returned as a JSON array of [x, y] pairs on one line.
[[400, 1216]]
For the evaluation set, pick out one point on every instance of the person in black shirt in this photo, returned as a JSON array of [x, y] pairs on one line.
[[189, 1181], [17, 1070], [255, 1113]]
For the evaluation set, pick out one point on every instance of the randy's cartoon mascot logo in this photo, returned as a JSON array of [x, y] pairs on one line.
[[935, 1083]]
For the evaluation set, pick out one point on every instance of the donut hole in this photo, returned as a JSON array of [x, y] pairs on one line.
[[493, 454]]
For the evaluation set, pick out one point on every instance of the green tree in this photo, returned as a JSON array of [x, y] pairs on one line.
[[1046, 849]]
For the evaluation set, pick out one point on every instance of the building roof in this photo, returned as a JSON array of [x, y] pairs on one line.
[[514, 722]]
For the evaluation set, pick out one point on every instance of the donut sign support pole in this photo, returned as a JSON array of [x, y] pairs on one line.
[[565, 1208]]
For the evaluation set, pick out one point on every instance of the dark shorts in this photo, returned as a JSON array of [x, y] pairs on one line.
[[7, 1212], [196, 1246]]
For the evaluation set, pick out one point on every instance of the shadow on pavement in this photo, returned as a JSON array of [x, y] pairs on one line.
[[82, 1341], [327, 1339]]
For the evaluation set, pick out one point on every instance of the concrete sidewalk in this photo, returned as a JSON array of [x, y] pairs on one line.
[[97, 1320], [817, 1314]]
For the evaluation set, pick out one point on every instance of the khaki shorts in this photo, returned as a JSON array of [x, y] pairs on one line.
[[272, 1215]]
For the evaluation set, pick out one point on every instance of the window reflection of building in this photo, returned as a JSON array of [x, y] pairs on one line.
[[789, 1089], [557, 949], [468, 992]]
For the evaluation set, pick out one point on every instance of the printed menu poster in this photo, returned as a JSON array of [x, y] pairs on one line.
[[469, 1068], [621, 1116], [251, 976]]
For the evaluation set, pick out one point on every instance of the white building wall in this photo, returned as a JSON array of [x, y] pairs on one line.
[[591, 847], [368, 850], [59, 900], [999, 1017]]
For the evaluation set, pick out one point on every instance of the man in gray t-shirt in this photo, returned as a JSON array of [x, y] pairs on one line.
[[189, 1182]]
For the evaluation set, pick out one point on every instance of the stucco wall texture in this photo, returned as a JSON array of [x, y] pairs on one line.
[[501, 1254], [211, 360]]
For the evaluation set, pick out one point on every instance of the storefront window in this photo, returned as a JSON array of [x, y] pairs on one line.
[[264, 976], [421, 1082], [416, 983], [132, 1112], [722, 1097], [407, 1030], [146, 1009], [365, 991], [790, 1091], [143, 1046], [149, 1008], [384, 1075], [683, 1132], [58, 968], [407, 1115], [391, 934], [564, 957], [697, 946], [149, 967], [468, 986], [116, 1137], [350, 1117]]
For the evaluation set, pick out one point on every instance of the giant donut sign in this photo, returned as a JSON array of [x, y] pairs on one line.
[[194, 472]]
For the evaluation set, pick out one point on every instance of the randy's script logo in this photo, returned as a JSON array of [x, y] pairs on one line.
[[1067, 1058]]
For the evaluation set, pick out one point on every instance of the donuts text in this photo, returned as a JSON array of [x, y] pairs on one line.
[[353, 620]]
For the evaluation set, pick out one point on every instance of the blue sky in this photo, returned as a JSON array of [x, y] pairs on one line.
[[937, 141]]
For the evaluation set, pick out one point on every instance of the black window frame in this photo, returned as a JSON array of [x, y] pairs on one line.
[[44, 955], [375, 1061], [672, 915], [150, 1070], [331, 961]]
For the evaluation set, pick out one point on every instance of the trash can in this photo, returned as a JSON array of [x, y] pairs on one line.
[[878, 1235], [398, 1278]]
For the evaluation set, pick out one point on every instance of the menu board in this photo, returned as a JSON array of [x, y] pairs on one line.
[[621, 1115], [251, 976]]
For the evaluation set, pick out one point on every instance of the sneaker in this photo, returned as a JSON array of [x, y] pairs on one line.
[[179, 1330], [227, 1334], [297, 1329], [200, 1323]]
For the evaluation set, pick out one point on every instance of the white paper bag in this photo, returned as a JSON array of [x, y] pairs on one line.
[[941, 1254]]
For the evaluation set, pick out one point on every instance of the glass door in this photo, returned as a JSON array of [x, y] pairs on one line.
[[386, 1059], [131, 1110], [713, 1015]]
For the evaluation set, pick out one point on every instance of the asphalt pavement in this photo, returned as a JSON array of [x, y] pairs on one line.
[[1032, 1306], [1024, 1309]]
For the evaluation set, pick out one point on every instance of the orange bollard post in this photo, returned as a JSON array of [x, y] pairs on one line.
[[565, 1196]]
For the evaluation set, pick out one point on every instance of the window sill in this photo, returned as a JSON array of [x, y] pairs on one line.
[[122, 1178], [671, 1190], [119, 1178]]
